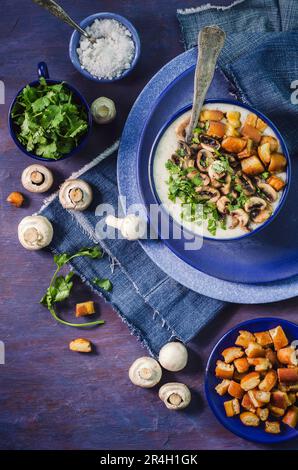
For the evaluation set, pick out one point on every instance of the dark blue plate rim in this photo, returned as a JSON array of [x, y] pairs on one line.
[[268, 438]]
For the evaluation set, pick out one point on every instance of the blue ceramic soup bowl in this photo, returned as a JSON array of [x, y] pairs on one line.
[[216, 402], [78, 98], [147, 148], [75, 39]]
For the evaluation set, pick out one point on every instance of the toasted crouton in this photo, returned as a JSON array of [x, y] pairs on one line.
[[260, 363], [254, 350], [288, 376], [244, 338], [271, 356], [269, 381], [291, 417], [273, 427], [223, 370], [250, 381], [251, 132], [232, 407], [211, 115], [263, 413], [262, 397], [263, 338], [276, 182], [241, 365], [252, 396], [279, 399], [247, 403], [249, 419], [251, 119], [261, 125], [230, 354], [287, 356], [278, 337], [222, 388], [235, 390], [216, 129], [276, 411]]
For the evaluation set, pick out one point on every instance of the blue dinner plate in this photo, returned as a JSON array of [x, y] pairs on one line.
[[268, 255], [256, 434]]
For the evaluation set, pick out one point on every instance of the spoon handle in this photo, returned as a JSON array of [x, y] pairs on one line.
[[58, 11], [210, 42]]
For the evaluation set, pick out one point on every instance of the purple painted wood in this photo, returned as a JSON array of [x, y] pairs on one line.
[[50, 397]]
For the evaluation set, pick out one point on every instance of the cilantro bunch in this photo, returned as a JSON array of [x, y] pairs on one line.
[[49, 122]]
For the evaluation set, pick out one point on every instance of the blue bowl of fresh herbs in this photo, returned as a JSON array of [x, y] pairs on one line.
[[49, 120]]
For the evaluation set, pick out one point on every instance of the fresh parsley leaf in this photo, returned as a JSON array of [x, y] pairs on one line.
[[104, 284]]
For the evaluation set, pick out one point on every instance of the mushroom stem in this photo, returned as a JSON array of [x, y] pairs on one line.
[[145, 373], [114, 222]]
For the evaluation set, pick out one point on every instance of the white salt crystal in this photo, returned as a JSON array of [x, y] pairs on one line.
[[111, 54]]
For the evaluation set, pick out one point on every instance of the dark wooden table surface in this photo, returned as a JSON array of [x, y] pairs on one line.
[[51, 398]]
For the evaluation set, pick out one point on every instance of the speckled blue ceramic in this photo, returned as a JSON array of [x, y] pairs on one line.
[[43, 72], [147, 185], [127, 182], [75, 38], [256, 434]]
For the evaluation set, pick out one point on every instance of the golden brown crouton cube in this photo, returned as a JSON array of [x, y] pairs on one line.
[[276, 411], [211, 115], [271, 356], [288, 376], [260, 363], [244, 338], [287, 356], [80, 345], [251, 119], [235, 390], [254, 350], [272, 141], [261, 125], [263, 338], [223, 370], [230, 354], [269, 382], [250, 381], [251, 133], [279, 399], [231, 131], [247, 403], [222, 387], [262, 397], [263, 413], [232, 407], [85, 308], [291, 417], [216, 129], [278, 337], [249, 419], [273, 427], [252, 166], [233, 118], [276, 182], [264, 153], [241, 365], [233, 144], [278, 162], [292, 398], [253, 399]]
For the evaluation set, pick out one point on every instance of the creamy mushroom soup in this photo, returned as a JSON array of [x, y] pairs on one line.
[[233, 168]]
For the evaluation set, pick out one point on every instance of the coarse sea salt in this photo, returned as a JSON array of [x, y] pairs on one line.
[[111, 54]]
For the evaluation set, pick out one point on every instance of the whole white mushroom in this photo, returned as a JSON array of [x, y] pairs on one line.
[[35, 232], [75, 194], [173, 356], [132, 227], [145, 372]]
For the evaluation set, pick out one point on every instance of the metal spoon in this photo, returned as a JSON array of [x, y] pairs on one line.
[[210, 42], [58, 11]]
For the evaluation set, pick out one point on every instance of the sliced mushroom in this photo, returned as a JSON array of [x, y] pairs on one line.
[[145, 372], [173, 356], [246, 184], [226, 187], [208, 194], [75, 194], [269, 193], [255, 204], [180, 129], [205, 178], [187, 163], [204, 159], [175, 395], [259, 217], [223, 204], [216, 170], [37, 179], [239, 218], [35, 232], [209, 143]]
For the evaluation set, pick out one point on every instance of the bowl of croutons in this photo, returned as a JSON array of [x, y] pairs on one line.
[[251, 380]]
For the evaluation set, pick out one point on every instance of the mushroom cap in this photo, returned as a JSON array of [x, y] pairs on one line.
[[37, 178], [175, 395], [173, 356], [145, 372], [35, 232], [75, 194]]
